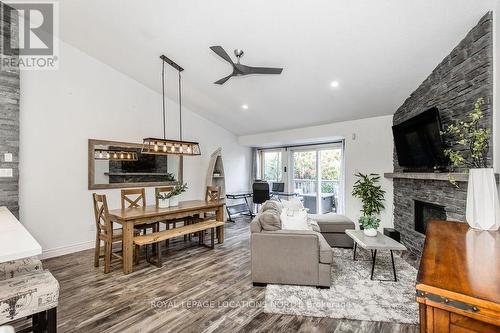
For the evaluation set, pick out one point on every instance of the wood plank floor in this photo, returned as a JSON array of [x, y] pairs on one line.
[[196, 290]]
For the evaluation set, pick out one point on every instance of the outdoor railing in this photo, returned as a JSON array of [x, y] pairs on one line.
[[309, 186]]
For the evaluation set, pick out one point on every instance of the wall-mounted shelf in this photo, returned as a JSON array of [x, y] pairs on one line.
[[444, 176], [216, 166]]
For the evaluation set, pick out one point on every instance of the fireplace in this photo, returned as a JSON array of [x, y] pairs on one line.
[[424, 212]]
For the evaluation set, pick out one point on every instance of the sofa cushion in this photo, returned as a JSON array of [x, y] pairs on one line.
[[325, 251], [271, 205], [313, 225], [11, 269], [294, 220], [332, 222], [269, 220], [27, 294], [255, 225]]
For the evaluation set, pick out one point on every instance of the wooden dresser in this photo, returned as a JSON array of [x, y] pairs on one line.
[[458, 283]]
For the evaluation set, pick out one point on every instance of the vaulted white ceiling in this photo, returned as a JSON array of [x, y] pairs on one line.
[[378, 51]]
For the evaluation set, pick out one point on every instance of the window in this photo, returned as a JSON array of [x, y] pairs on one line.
[[272, 165]]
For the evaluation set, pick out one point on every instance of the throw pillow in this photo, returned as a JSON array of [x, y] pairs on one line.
[[294, 204], [269, 220], [295, 221], [272, 205]]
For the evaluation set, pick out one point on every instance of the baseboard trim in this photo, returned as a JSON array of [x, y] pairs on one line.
[[60, 251]]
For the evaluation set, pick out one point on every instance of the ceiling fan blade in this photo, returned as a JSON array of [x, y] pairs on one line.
[[223, 80], [221, 53], [262, 70]]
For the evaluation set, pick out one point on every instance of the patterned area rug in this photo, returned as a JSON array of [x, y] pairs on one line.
[[352, 294]]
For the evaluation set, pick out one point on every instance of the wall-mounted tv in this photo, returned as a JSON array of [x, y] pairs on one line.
[[418, 141]]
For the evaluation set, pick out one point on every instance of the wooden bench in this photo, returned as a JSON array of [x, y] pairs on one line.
[[199, 228]]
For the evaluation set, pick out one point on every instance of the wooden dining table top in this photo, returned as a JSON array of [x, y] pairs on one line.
[[152, 210]]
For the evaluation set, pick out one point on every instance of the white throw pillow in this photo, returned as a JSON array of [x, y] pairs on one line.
[[294, 220], [294, 204]]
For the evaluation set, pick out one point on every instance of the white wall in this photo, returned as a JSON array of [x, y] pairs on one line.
[[61, 110], [370, 152]]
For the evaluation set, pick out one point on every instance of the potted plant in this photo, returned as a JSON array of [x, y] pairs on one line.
[[470, 145], [173, 195], [163, 200], [372, 197]]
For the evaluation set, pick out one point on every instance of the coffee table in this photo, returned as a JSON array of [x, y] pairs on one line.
[[379, 242]]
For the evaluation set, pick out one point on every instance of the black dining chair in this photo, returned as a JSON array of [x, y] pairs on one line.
[[260, 193]]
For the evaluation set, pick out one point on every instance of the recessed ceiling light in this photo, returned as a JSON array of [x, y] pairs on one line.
[[334, 84], [244, 107]]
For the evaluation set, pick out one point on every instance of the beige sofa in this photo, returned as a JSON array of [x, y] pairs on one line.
[[289, 257]]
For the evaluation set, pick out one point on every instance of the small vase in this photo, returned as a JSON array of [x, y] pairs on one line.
[[174, 201], [163, 203], [483, 208], [370, 232]]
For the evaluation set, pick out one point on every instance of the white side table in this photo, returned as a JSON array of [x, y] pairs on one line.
[[379, 242]]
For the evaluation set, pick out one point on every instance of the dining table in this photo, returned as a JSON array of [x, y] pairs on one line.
[[136, 216]]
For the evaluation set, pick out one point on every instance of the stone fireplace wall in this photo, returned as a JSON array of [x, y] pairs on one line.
[[9, 119], [453, 86]]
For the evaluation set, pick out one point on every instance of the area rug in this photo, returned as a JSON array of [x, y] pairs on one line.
[[352, 294]]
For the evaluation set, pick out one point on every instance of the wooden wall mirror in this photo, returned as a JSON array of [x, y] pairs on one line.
[[115, 164]]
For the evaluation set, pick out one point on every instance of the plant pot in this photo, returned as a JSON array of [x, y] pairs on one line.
[[483, 208], [174, 201], [370, 232], [163, 203]]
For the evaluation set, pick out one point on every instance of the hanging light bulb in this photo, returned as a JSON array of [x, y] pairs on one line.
[[172, 149], [155, 148], [165, 148], [100, 154], [108, 155], [128, 155]]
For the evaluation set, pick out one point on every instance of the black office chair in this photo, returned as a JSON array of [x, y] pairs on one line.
[[260, 193]]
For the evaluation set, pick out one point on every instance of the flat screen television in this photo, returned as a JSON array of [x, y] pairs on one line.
[[418, 141]]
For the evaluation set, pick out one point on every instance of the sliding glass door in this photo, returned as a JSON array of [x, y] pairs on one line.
[[317, 177]]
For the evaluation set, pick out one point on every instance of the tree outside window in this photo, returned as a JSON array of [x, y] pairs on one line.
[[273, 170]]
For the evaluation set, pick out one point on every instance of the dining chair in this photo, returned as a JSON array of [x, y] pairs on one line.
[[105, 233], [212, 194], [159, 190], [136, 198]]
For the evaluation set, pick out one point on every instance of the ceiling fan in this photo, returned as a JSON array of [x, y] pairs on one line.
[[239, 69]]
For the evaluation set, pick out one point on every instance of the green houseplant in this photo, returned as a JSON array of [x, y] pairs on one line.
[[367, 189], [173, 195]]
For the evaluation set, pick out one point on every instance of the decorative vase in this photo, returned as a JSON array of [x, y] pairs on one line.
[[483, 208], [372, 232], [174, 201], [163, 203]]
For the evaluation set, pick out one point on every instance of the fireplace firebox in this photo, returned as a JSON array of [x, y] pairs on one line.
[[425, 212]]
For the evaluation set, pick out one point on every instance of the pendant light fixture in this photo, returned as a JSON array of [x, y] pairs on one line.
[[166, 146]]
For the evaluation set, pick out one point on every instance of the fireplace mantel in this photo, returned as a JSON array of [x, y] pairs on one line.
[[445, 176]]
